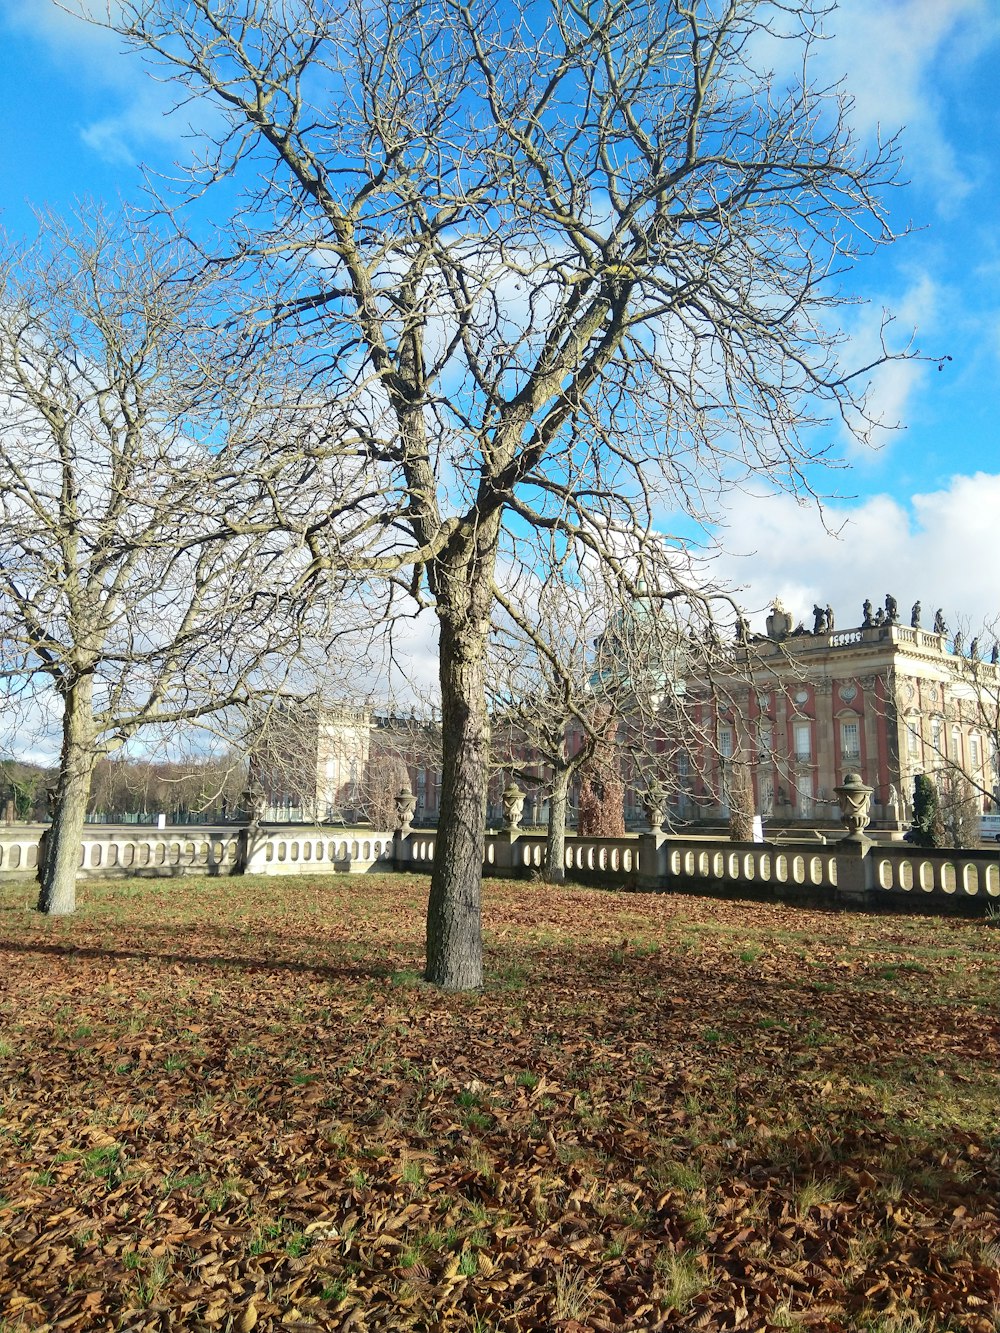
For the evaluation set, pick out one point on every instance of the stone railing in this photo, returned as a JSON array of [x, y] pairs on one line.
[[912, 873], [129, 849], [760, 865], [865, 874], [850, 872], [843, 871], [612, 861], [316, 851], [19, 849]]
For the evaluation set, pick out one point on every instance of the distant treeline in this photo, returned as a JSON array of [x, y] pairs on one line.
[[124, 786], [25, 785]]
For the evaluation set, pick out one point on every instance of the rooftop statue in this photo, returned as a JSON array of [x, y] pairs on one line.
[[779, 622], [868, 620], [829, 618], [891, 610], [819, 620], [939, 626], [915, 616]]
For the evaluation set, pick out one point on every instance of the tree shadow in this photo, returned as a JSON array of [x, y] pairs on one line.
[[332, 972]]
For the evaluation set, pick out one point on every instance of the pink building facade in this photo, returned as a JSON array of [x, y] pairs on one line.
[[802, 710]]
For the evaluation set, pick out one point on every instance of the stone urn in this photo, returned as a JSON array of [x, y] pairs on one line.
[[656, 811], [513, 806], [855, 806], [406, 805], [254, 802]]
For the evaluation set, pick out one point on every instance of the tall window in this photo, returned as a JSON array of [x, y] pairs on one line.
[[975, 756], [850, 739], [726, 742], [956, 744], [936, 735], [766, 736], [802, 733], [912, 738]]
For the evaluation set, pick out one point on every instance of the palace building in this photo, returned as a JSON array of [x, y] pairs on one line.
[[799, 709], [802, 709]]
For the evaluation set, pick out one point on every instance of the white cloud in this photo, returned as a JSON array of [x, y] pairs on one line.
[[140, 115], [942, 550], [146, 119], [893, 55]]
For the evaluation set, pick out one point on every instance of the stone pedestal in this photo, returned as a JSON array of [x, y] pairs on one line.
[[854, 870], [505, 852], [402, 853], [652, 874], [251, 850]]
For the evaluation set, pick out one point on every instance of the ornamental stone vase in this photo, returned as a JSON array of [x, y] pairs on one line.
[[406, 805], [513, 806], [655, 811], [855, 806], [254, 803]]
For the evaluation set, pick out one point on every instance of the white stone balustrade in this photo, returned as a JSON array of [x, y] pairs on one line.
[[317, 851], [858, 874]]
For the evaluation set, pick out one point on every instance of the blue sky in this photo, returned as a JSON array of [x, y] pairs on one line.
[[920, 516]]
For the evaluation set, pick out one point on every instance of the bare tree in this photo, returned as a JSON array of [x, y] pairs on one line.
[[960, 809], [541, 690], [741, 802], [957, 737], [308, 754], [386, 775], [144, 582], [406, 748], [124, 785], [602, 791], [570, 266], [576, 665], [973, 706]]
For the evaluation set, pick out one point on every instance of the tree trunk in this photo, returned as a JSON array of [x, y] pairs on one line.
[[555, 842], [463, 586], [62, 844], [454, 934]]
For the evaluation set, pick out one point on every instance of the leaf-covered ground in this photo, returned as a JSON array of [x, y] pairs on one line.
[[232, 1104]]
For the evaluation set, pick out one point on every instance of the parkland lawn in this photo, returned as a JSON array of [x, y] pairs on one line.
[[233, 1104]]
